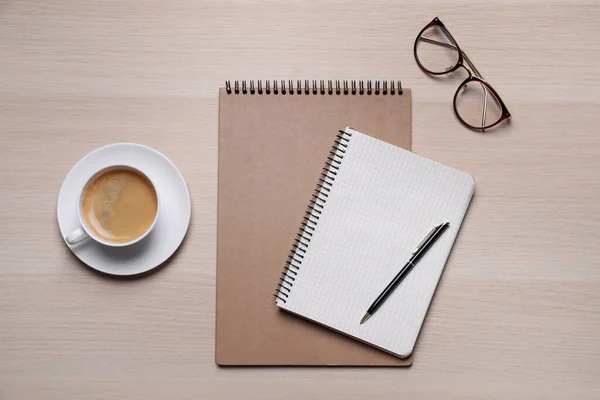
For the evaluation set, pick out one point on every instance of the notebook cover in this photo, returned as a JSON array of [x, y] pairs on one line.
[[271, 152]]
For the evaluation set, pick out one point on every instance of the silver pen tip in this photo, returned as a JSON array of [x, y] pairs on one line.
[[365, 318]]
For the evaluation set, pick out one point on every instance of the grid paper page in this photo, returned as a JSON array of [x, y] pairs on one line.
[[382, 204]]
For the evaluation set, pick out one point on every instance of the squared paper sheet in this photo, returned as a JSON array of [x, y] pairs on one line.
[[383, 202]]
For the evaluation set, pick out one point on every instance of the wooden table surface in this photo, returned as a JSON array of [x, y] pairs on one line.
[[517, 313]]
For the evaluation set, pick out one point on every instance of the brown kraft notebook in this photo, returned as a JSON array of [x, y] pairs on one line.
[[272, 143]]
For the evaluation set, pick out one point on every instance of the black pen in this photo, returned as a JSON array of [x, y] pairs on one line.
[[419, 252]]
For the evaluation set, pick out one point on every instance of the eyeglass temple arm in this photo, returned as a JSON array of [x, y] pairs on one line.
[[451, 46], [485, 91]]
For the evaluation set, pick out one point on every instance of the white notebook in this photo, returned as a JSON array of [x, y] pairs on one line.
[[373, 204]]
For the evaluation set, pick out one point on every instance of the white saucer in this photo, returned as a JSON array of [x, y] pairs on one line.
[[173, 219]]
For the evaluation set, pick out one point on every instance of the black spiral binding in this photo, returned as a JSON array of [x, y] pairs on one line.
[[312, 215], [306, 88]]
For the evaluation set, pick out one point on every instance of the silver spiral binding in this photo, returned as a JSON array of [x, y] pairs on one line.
[[311, 216], [339, 87]]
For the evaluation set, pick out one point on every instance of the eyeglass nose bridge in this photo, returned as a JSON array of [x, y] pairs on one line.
[[469, 72]]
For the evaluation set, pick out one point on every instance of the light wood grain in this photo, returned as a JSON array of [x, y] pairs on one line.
[[517, 313]]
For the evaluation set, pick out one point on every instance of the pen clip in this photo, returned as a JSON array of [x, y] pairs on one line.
[[429, 235], [431, 232]]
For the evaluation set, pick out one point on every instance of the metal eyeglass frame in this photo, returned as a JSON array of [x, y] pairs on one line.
[[474, 75]]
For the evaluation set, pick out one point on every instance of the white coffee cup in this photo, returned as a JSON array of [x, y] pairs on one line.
[[84, 232]]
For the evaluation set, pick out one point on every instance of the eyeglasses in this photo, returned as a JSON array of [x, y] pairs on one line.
[[476, 103]]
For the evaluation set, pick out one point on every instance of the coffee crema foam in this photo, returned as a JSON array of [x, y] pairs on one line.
[[119, 205]]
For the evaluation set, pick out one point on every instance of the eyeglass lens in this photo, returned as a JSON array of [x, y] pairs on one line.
[[477, 106], [436, 50]]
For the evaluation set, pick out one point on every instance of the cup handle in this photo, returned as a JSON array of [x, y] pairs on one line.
[[77, 236]]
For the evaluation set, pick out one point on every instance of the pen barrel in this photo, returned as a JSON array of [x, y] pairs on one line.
[[417, 257], [423, 247], [389, 289]]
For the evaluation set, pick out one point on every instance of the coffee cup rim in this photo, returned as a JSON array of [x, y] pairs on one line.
[[84, 224]]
